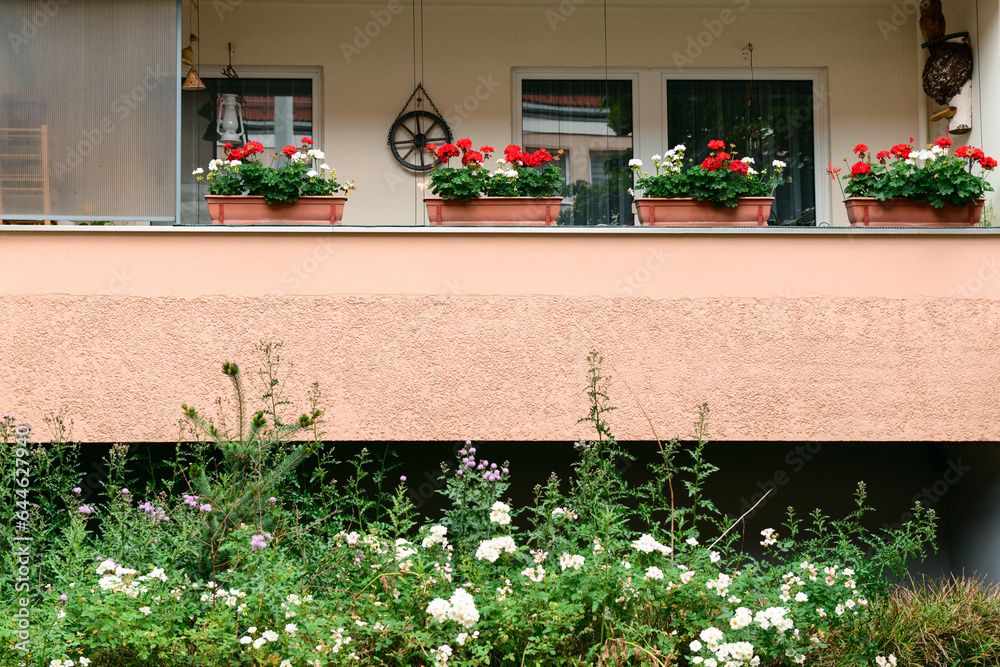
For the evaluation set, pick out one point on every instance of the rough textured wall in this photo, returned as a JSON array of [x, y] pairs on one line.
[[484, 335]]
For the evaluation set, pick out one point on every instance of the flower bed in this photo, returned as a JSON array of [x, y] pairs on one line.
[[245, 552]]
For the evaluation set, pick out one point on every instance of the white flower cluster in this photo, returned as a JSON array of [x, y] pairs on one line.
[[773, 617], [403, 550], [730, 654], [461, 608], [741, 618], [536, 574], [441, 654], [465, 636], [122, 579], [86, 661], [564, 511], [886, 662], [647, 544], [265, 637], [770, 537], [491, 549], [500, 513], [437, 536], [720, 584], [504, 169], [653, 573], [566, 561]]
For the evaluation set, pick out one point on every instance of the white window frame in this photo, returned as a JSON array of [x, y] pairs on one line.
[[649, 107]]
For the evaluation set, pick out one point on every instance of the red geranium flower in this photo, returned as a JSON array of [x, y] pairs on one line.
[[711, 163], [447, 151], [512, 153], [431, 147], [977, 154], [739, 167], [289, 151], [963, 151], [464, 144], [227, 146], [472, 156], [987, 163], [723, 155], [901, 151], [860, 148], [488, 150], [307, 140], [943, 142], [883, 155], [860, 168], [716, 144], [253, 147]]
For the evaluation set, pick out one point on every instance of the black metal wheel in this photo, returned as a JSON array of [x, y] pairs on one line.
[[410, 135]]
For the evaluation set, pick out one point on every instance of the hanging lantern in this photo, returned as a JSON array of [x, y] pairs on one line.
[[231, 127]]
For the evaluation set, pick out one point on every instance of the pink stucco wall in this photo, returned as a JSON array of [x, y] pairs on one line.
[[430, 334]]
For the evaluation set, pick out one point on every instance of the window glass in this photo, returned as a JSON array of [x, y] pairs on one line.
[[591, 121], [766, 120], [277, 112]]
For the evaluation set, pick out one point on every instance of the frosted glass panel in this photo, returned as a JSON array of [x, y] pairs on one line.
[[88, 108]]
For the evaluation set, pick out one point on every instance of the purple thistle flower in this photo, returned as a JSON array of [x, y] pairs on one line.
[[272, 500], [85, 509], [77, 490], [205, 507], [63, 598], [402, 478], [125, 492]]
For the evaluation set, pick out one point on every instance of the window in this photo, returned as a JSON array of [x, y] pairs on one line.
[[281, 108], [591, 122], [766, 120], [779, 115]]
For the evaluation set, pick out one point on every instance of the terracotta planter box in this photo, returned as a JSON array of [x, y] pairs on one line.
[[687, 212], [869, 212], [253, 210], [494, 211]]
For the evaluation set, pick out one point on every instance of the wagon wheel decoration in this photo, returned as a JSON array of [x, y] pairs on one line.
[[412, 131]]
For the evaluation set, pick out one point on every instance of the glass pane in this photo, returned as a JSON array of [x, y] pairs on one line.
[[88, 110], [591, 121], [278, 112], [770, 120]]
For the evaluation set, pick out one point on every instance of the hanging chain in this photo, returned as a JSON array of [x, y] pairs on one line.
[[420, 88]]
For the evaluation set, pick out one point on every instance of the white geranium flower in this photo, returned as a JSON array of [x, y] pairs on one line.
[[312, 173], [778, 164], [635, 163], [197, 171]]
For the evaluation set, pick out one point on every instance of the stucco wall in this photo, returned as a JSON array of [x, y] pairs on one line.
[[445, 334], [471, 49]]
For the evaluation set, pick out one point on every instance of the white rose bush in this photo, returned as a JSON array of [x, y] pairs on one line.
[[243, 551]]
